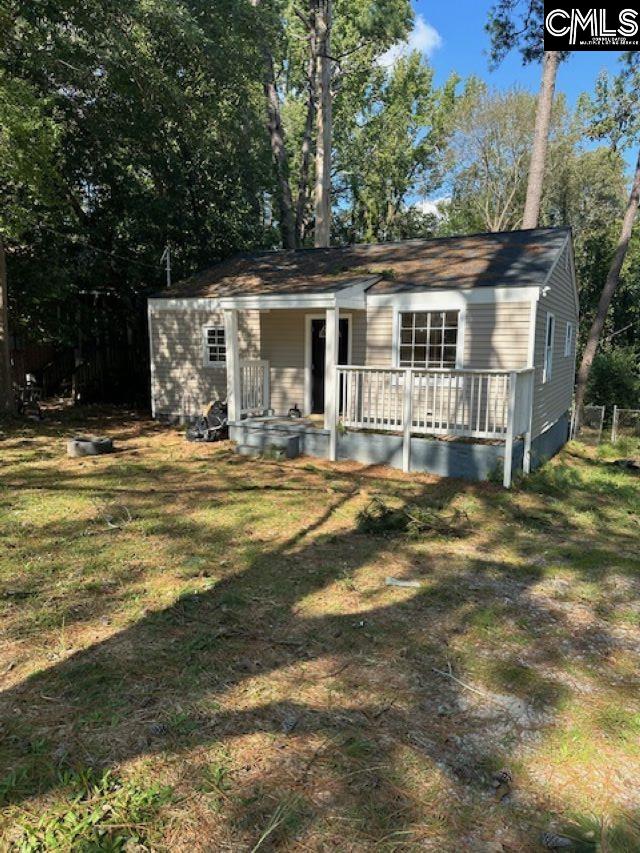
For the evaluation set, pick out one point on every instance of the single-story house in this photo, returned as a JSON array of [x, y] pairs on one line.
[[454, 355]]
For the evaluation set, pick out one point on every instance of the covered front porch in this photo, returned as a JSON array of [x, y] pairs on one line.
[[456, 422]]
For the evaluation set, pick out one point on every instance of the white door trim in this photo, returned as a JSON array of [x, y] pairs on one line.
[[307, 351]]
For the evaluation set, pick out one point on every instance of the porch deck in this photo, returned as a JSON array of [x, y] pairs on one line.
[[457, 422], [444, 455]]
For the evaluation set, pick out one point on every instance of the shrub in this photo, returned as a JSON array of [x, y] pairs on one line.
[[615, 379]]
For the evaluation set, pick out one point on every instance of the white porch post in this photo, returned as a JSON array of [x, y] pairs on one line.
[[508, 444], [234, 394], [266, 385], [407, 417], [332, 337], [526, 459]]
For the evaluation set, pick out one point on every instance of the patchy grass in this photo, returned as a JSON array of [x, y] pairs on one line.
[[199, 651]]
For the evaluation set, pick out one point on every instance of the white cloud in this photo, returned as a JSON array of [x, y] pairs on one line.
[[434, 206], [423, 37]]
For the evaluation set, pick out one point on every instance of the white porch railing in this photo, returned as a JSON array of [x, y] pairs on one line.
[[254, 386], [490, 404]]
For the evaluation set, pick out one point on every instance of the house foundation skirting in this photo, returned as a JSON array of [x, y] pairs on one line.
[[462, 459]]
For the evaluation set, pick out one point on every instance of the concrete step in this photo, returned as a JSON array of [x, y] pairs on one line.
[[266, 444], [265, 441]]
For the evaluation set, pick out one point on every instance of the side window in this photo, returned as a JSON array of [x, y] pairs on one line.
[[568, 339], [548, 348], [215, 350]]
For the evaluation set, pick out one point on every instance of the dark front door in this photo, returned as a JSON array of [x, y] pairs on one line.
[[318, 349]]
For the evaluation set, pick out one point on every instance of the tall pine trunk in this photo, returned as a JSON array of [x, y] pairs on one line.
[[276, 133], [276, 136], [6, 391], [613, 276], [540, 140], [322, 198], [307, 137]]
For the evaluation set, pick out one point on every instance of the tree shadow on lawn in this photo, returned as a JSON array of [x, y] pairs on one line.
[[363, 728]]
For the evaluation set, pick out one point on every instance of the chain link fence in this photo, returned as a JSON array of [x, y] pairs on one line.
[[592, 424], [625, 424]]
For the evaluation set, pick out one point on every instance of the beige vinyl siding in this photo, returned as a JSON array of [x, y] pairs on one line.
[[283, 342], [497, 336], [358, 337], [553, 398], [282, 337], [379, 337], [181, 386]]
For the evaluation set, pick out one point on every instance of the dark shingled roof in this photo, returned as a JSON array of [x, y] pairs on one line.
[[516, 258]]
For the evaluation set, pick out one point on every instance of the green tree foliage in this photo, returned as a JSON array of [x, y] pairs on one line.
[[489, 157], [361, 33], [394, 150], [155, 113], [615, 378], [612, 114], [516, 25]]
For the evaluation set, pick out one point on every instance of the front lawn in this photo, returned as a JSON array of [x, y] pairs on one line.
[[200, 651]]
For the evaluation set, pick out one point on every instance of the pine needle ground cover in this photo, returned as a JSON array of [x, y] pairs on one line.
[[201, 652]]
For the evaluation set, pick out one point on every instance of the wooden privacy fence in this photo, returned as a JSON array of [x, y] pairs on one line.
[[485, 404]]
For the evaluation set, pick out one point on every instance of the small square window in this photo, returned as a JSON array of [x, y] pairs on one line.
[[215, 350]]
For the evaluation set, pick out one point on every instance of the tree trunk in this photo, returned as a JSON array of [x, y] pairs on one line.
[[6, 390], [276, 135], [305, 160], [322, 199], [287, 225], [608, 290], [540, 140]]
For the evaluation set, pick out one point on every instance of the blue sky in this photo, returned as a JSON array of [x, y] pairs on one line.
[[461, 44], [452, 35]]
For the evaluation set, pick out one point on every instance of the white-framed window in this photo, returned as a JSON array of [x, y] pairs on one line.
[[427, 338], [568, 339], [215, 349], [548, 347]]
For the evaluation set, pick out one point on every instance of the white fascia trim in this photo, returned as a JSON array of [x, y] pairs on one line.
[[292, 300], [556, 261], [533, 322], [350, 296], [545, 285], [355, 295], [184, 304], [152, 363], [452, 300]]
